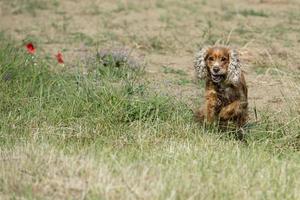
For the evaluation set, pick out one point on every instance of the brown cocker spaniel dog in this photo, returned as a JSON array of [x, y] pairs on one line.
[[225, 90]]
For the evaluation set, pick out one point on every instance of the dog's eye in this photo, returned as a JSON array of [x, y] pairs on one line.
[[223, 59], [211, 58]]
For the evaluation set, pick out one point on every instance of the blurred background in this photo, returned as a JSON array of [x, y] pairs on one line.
[[166, 35]]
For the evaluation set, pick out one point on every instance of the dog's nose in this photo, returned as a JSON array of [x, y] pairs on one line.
[[216, 69]]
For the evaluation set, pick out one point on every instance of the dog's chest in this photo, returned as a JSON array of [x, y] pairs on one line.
[[227, 94]]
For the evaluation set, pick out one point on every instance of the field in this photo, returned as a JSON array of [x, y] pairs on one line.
[[100, 126]]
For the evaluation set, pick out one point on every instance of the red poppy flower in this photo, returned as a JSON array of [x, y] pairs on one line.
[[30, 48], [59, 58]]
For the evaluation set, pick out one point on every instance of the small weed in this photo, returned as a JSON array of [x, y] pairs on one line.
[[241, 30], [109, 36], [119, 58], [159, 43], [183, 81], [208, 35], [160, 4], [81, 37], [125, 6], [260, 70], [167, 20], [31, 6], [168, 70], [156, 43], [93, 9], [63, 25], [251, 12]]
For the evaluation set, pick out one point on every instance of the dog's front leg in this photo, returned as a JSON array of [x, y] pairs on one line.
[[230, 111], [211, 105], [235, 110]]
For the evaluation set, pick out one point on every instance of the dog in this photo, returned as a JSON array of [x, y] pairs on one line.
[[226, 94]]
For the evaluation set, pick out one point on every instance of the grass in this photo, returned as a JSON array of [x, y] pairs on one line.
[[31, 6], [251, 12], [106, 135], [168, 70], [85, 39], [183, 81]]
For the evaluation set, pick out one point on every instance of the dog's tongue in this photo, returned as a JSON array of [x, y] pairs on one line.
[[216, 78]]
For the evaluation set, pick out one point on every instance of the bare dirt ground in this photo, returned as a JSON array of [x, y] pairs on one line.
[[166, 35]]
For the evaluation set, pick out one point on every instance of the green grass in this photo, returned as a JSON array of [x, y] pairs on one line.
[[168, 70], [81, 37], [183, 81], [251, 12], [31, 6], [106, 135], [106, 93]]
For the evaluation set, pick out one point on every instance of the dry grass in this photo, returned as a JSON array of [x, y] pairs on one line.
[[170, 170]]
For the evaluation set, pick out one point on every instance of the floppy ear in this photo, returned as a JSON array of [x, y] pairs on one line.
[[234, 68], [199, 63]]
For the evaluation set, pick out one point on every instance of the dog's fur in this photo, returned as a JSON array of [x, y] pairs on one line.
[[225, 90]]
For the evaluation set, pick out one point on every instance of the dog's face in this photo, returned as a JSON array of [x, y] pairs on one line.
[[217, 62]]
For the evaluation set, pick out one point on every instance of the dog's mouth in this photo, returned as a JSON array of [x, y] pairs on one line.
[[217, 78]]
